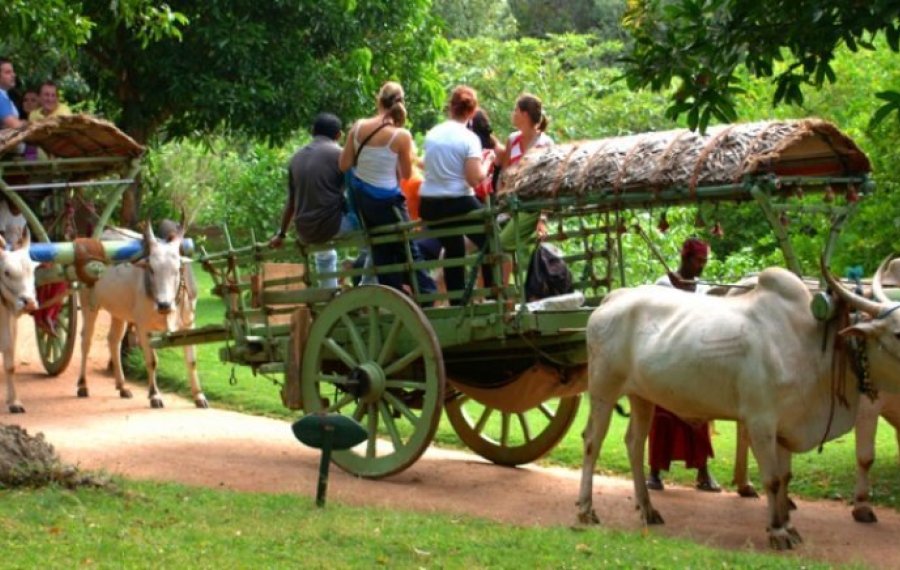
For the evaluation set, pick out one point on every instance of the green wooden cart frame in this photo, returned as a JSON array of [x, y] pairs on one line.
[[508, 374]]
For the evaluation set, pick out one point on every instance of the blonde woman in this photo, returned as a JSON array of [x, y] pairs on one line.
[[378, 153]]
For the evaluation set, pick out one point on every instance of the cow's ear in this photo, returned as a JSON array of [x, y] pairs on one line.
[[863, 329]]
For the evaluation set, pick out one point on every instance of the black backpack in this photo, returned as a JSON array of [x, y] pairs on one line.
[[548, 274]]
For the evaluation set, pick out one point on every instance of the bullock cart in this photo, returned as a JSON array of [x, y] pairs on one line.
[[64, 176], [507, 372]]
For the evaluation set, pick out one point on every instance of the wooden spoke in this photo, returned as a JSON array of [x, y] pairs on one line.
[[524, 426], [372, 442], [374, 332], [359, 346], [395, 402], [336, 407], [338, 351], [403, 362], [388, 347], [405, 384], [388, 420]]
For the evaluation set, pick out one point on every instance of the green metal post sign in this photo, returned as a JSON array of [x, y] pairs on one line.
[[327, 432]]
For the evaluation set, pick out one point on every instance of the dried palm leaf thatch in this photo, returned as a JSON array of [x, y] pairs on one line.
[[680, 158], [71, 136]]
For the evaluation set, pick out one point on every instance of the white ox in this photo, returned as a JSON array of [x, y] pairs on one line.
[[155, 294], [17, 296], [756, 358], [886, 405]]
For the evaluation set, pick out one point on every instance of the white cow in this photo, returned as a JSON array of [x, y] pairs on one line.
[[17, 296], [886, 405], [757, 358], [155, 294]]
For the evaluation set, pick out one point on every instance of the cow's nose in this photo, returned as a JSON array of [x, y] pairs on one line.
[[29, 305], [164, 308]]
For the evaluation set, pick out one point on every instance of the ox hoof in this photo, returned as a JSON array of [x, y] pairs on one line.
[[652, 516], [82, 392], [784, 538], [747, 491], [156, 403], [16, 409], [201, 403], [864, 515], [589, 518], [124, 393]]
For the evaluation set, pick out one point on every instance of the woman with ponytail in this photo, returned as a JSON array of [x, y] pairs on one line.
[[529, 118], [378, 153]]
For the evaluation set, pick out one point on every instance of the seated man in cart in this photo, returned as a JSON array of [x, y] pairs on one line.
[[671, 438], [315, 202]]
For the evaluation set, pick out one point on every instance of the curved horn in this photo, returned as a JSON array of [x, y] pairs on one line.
[[858, 302], [877, 289], [149, 238]]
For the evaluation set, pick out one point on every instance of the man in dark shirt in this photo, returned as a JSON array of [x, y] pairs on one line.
[[315, 200]]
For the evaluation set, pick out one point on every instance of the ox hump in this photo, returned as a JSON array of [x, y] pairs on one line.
[[783, 283]]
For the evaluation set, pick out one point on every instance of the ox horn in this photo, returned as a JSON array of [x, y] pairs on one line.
[[877, 288], [149, 238], [858, 302]]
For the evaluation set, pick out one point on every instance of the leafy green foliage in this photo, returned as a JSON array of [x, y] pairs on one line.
[[262, 69], [701, 45], [572, 74], [241, 184], [540, 18], [475, 18]]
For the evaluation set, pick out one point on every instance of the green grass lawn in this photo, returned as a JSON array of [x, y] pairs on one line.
[[829, 475], [170, 526]]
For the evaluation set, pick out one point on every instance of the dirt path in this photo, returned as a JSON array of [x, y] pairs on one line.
[[222, 449]]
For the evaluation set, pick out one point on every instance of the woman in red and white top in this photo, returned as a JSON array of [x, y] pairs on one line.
[[529, 118]]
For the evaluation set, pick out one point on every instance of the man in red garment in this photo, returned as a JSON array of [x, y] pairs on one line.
[[672, 439]]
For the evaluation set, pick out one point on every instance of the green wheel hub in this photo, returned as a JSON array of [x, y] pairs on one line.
[[371, 354]]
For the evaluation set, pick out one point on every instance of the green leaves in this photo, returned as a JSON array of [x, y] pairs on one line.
[[711, 39], [892, 105]]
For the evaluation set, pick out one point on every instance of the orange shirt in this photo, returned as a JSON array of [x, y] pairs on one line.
[[410, 188]]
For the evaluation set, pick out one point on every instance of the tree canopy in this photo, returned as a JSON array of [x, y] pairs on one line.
[[261, 69], [701, 44]]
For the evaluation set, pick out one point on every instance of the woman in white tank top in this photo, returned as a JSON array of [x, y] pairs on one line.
[[377, 154]]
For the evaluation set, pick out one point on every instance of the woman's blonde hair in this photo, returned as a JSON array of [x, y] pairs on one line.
[[390, 98]]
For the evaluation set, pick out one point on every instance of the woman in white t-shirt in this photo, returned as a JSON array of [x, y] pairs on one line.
[[453, 167]]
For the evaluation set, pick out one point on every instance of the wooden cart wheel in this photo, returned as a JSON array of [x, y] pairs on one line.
[[56, 350], [507, 438], [372, 354]]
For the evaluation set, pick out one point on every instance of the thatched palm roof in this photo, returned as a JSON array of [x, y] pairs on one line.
[[686, 159], [72, 136]]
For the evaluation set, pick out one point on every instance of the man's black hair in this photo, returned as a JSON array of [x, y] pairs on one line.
[[326, 125]]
